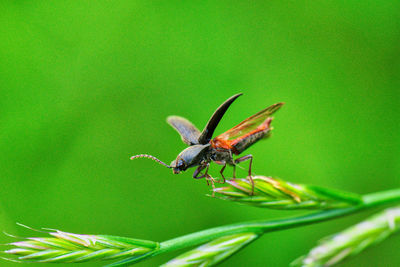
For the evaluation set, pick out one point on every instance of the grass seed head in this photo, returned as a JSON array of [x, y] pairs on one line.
[[353, 240], [278, 194], [213, 252], [66, 247]]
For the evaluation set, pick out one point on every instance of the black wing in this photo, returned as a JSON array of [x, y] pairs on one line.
[[208, 131], [188, 132]]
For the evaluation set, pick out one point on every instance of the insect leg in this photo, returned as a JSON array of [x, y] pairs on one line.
[[221, 172], [209, 178], [244, 158], [197, 172]]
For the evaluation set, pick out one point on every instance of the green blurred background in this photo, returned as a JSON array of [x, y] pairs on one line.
[[87, 84]]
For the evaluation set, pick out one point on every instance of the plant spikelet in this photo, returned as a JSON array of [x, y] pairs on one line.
[[278, 194], [213, 252], [63, 247], [353, 240]]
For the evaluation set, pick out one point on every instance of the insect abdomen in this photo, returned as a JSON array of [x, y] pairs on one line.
[[242, 143]]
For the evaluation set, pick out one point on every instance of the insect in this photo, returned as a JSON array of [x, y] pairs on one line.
[[203, 148]]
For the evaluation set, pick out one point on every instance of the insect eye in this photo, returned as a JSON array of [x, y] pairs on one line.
[[181, 164]]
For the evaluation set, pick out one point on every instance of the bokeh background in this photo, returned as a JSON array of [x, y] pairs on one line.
[[86, 84]]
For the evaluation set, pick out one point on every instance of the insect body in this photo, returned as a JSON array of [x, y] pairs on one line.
[[203, 148]]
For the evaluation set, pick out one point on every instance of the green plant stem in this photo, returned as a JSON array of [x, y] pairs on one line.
[[261, 227], [379, 198]]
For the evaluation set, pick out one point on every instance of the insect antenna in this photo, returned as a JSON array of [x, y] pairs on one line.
[[150, 157]]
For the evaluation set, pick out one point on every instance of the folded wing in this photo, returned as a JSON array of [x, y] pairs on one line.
[[247, 132]]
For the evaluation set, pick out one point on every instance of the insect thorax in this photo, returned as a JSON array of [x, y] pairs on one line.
[[221, 154]]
